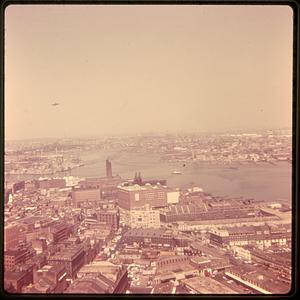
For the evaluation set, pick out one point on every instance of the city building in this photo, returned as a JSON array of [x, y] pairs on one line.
[[98, 284], [91, 284], [135, 196], [206, 285], [85, 196], [202, 211], [71, 257], [142, 217], [50, 279], [114, 273], [39, 245], [279, 259], [15, 281], [110, 217], [60, 232], [51, 183], [173, 268], [15, 257], [12, 235], [108, 186], [154, 236], [18, 186], [263, 236], [30, 185], [258, 279], [241, 252]]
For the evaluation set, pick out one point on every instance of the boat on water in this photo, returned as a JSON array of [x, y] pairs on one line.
[[176, 173]]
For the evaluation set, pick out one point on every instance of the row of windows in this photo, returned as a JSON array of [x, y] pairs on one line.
[[9, 259], [169, 261]]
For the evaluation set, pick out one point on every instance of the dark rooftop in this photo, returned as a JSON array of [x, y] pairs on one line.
[[91, 284], [163, 288]]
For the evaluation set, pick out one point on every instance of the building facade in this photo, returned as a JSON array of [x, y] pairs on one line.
[[136, 196], [71, 257], [264, 236], [143, 217], [85, 196], [110, 217], [12, 236]]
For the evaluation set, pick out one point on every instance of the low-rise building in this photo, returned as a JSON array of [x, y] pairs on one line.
[[49, 279], [12, 236], [71, 257], [241, 253], [264, 236], [18, 256], [16, 280], [206, 285], [143, 217], [111, 217], [51, 183], [154, 236], [60, 232], [258, 279], [85, 196], [100, 277]]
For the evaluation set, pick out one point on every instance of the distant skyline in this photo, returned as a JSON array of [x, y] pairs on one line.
[[147, 134], [133, 69]]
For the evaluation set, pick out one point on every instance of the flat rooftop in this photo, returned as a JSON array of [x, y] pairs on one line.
[[147, 232], [265, 278], [207, 285], [146, 187], [67, 253]]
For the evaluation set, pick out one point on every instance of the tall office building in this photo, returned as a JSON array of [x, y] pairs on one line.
[[108, 169]]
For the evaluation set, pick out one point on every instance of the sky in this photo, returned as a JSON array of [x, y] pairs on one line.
[[126, 69]]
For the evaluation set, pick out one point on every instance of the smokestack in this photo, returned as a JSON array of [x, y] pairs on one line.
[[108, 169]]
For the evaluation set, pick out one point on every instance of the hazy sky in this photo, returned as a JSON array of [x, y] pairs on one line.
[[127, 69]]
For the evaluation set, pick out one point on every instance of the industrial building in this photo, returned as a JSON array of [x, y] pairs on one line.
[[202, 211], [154, 236], [85, 196], [264, 236]]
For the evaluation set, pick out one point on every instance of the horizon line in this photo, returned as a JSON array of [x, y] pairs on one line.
[[146, 133]]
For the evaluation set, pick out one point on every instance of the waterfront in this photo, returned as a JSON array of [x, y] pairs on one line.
[[261, 181]]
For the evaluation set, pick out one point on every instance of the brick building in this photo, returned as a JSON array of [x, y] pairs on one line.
[[154, 236], [51, 183], [108, 186], [49, 279], [14, 281], [71, 257], [60, 232], [110, 217], [12, 236], [86, 197], [15, 257]]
